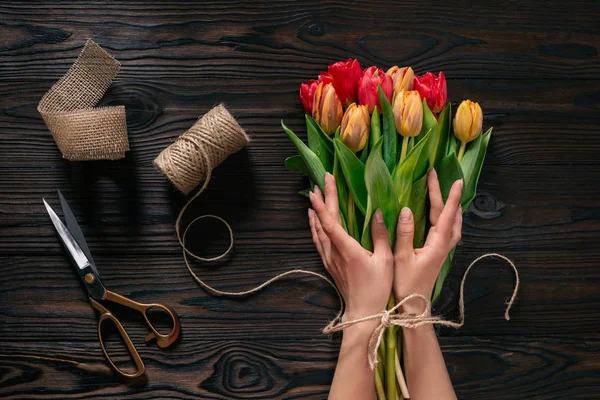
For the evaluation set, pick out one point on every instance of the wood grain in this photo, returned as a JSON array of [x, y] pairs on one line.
[[533, 66]]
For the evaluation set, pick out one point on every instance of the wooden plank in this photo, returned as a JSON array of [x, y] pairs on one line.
[[272, 38], [511, 367], [525, 131], [44, 298]]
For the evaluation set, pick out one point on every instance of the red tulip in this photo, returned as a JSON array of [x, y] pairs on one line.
[[344, 75], [307, 95], [367, 87], [432, 88]]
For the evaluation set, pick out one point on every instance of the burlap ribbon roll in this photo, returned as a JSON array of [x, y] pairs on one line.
[[81, 131]]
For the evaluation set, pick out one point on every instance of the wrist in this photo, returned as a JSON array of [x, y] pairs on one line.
[[360, 331]]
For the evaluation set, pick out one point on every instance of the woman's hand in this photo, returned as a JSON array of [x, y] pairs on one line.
[[363, 278], [416, 270]]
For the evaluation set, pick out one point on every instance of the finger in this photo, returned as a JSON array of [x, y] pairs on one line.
[[323, 238], [457, 227], [331, 227], [315, 237], [331, 197], [435, 197], [448, 215], [405, 233], [381, 238]]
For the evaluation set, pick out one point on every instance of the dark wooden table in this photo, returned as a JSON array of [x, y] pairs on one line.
[[533, 66]]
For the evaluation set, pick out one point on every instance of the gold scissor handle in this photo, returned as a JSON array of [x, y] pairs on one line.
[[107, 315], [161, 340]]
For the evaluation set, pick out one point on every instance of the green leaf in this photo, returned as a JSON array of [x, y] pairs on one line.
[[410, 169], [453, 145], [342, 187], [354, 172], [471, 164], [319, 143], [390, 137], [375, 129], [304, 192], [439, 144], [381, 196], [364, 153], [417, 202], [316, 171], [448, 171], [296, 164], [429, 121], [439, 283]]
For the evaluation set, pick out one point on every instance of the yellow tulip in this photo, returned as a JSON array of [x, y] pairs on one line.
[[403, 78], [467, 124], [327, 108], [355, 127], [408, 116]]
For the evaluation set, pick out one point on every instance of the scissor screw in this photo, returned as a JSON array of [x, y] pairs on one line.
[[89, 278]]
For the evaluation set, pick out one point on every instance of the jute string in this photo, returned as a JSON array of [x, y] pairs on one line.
[[210, 141], [81, 131]]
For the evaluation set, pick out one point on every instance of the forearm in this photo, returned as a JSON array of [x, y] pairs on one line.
[[353, 377], [426, 374]]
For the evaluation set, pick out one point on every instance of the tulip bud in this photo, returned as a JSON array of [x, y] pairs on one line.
[[344, 75], [368, 87], [403, 78], [307, 95], [468, 121], [327, 108], [355, 127], [433, 89], [408, 113]]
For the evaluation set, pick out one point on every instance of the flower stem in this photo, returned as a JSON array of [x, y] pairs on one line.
[[379, 382], [350, 213], [461, 152], [404, 150], [400, 375], [390, 370]]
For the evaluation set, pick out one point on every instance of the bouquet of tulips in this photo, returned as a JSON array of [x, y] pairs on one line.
[[379, 133]]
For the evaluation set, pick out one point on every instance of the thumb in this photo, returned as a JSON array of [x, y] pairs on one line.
[[379, 233], [405, 233]]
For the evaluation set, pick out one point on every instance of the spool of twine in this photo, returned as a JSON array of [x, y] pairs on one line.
[[192, 157], [80, 131]]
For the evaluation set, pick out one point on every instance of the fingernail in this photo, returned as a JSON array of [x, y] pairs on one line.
[[310, 212], [433, 173], [317, 190], [378, 216], [460, 183], [405, 214]]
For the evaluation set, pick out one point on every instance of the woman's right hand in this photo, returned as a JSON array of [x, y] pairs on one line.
[[416, 270]]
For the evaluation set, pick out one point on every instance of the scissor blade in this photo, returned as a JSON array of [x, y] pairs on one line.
[[68, 240], [75, 230]]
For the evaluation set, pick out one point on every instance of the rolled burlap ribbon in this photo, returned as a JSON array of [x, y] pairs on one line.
[[192, 157], [81, 131]]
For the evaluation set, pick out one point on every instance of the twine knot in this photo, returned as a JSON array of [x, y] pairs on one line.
[[391, 317]]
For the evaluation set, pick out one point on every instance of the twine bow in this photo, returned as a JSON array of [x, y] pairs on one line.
[[391, 317]]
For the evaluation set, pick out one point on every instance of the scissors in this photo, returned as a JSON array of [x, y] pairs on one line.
[[75, 244]]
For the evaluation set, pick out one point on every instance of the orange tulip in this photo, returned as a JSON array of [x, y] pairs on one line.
[[355, 127], [403, 78], [327, 108], [408, 113]]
